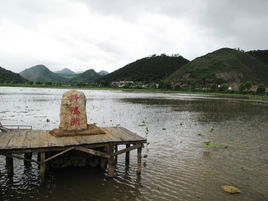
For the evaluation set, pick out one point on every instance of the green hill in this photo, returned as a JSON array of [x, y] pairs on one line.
[[224, 66], [262, 55], [7, 76], [147, 69], [65, 71], [103, 72], [86, 77], [41, 73]]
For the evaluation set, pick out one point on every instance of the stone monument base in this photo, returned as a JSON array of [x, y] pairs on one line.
[[92, 129]]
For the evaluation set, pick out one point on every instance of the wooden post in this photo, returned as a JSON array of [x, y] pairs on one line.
[[9, 165], [38, 157], [127, 155], [139, 160], [42, 167], [103, 161], [27, 156], [111, 161], [115, 150]]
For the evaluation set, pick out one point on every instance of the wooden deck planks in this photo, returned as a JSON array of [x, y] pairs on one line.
[[54, 141], [42, 139], [17, 139], [35, 139], [27, 140], [4, 139], [128, 132]]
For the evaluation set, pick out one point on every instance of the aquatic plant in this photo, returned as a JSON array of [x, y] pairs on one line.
[[142, 123], [211, 129], [146, 131], [207, 144]]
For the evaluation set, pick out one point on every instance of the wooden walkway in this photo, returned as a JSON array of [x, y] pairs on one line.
[[16, 142]]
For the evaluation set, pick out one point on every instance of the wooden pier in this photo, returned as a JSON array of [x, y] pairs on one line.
[[14, 143]]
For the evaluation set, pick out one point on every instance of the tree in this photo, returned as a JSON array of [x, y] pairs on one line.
[[260, 89], [242, 87], [248, 85], [164, 85], [214, 88], [223, 88]]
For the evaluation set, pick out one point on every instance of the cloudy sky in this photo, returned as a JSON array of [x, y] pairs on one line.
[[106, 35]]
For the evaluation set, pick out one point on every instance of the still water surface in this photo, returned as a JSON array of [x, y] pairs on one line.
[[178, 166]]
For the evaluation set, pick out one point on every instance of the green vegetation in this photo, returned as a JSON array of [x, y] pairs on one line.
[[224, 66], [245, 86], [225, 72], [207, 144], [7, 76], [103, 73], [260, 89], [262, 55], [148, 90], [41, 73], [148, 69], [88, 76], [66, 72]]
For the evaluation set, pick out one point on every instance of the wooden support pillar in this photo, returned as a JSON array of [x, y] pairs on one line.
[[42, 167], [115, 150], [111, 161], [9, 165], [104, 161], [27, 156], [127, 154], [139, 150]]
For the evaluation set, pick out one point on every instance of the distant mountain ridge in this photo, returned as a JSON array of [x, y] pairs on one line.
[[7, 76], [147, 69], [88, 76], [41, 73], [103, 72], [65, 71], [225, 65]]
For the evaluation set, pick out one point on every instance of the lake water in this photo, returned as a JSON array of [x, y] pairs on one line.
[[178, 166]]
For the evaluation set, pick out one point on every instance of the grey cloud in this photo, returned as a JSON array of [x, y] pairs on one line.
[[190, 27]]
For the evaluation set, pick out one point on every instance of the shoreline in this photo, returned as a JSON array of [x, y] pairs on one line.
[[220, 94]]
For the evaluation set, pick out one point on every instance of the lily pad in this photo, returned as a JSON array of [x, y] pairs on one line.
[[230, 189], [207, 144]]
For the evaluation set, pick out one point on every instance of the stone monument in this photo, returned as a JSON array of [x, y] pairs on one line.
[[73, 111], [73, 116]]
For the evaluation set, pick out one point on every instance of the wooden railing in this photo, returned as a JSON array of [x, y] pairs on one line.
[[5, 128]]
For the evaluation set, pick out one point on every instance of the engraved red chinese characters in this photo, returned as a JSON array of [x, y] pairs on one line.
[[75, 122], [73, 98], [73, 111]]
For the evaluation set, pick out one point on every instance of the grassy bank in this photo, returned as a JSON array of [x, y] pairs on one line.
[[222, 94]]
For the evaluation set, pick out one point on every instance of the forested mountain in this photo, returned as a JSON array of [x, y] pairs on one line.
[[86, 77], [41, 73], [7, 76], [225, 66], [147, 69]]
